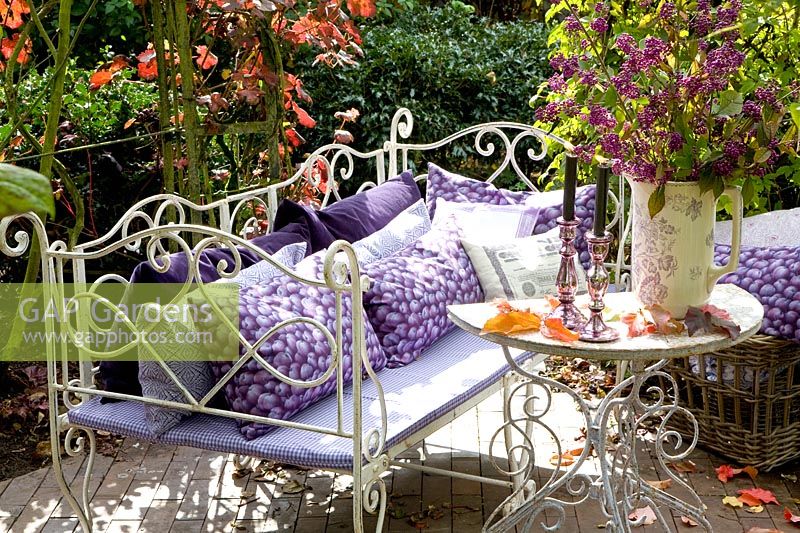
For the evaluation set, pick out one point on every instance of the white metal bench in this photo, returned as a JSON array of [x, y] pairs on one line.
[[378, 417]]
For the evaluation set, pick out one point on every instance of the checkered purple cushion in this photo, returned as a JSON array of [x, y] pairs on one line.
[[460, 367], [407, 301], [299, 351]]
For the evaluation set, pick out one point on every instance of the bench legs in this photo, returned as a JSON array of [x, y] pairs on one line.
[[76, 441]]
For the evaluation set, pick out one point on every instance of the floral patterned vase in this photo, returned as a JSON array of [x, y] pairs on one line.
[[672, 255]]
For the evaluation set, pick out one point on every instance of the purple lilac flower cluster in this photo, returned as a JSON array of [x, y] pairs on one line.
[[655, 111]]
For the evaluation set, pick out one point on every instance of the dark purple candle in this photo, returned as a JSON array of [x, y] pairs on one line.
[[601, 200], [570, 183]]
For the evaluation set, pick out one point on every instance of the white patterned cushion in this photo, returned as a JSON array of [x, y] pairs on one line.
[[487, 222], [289, 255], [402, 230]]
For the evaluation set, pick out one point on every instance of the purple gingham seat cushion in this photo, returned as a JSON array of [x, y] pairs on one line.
[[460, 366]]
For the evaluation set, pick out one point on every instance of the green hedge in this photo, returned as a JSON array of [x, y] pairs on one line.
[[449, 68]]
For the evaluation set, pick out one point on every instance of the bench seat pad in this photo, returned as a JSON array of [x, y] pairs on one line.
[[451, 371]]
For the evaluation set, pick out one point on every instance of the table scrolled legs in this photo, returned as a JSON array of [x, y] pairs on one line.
[[619, 487]]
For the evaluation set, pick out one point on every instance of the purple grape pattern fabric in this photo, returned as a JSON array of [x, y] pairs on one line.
[[772, 275], [407, 302], [299, 351], [584, 212]]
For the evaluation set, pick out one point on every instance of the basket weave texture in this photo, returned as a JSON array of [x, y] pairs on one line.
[[756, 424]]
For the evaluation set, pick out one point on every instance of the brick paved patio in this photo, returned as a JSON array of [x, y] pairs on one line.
[[158, 488]]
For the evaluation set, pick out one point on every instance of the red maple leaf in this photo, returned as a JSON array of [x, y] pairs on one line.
[[362, 8], [726, 472], [205, 59], [763, 495]]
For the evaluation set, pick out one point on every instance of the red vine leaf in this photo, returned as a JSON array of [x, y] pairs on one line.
[[294, 138], [726, 472], [362, 8], [710, 319], [790, 516], [100, 78], [303, 118], [11, 13], [763, 495], [205, 58], [7, 47], [343, 137]]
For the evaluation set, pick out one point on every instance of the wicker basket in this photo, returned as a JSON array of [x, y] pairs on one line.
[[753, 422]]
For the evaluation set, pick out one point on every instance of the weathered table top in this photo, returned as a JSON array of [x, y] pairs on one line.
[[745, 310]]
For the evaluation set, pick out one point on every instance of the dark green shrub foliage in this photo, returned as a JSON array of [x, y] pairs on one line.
[[448, 67]]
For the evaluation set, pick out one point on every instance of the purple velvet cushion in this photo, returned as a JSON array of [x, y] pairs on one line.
[[773, 276], [354, 217], [456, 188], [299, 351], [121, 376], [407, 302]]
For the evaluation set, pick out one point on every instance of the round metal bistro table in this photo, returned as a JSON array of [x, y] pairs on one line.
[[633, 402]]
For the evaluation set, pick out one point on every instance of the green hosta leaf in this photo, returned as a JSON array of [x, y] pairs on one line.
[[23, 190], [729, 103], [656, 202]]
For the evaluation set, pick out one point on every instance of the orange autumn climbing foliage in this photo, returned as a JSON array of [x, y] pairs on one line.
[[11, 18], [232, 74]]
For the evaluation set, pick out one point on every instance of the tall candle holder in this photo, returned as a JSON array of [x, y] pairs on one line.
[[595, 330], [567, 278]]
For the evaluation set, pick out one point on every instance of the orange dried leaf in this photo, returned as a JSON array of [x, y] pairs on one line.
[[757, 529], [565, 459], [100, 78], [664, 322], [684, 467], [303, 118], [763, 495], [552, 301], [637, 324], [748, 500], [661, 484], [750, 471], [554, 329], [688, 522], [514, 321]]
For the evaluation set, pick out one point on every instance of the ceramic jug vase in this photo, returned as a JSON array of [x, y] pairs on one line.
[[672, 254]]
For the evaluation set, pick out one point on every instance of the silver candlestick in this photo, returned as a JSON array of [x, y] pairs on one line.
[[595, 329], [567, 279]]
